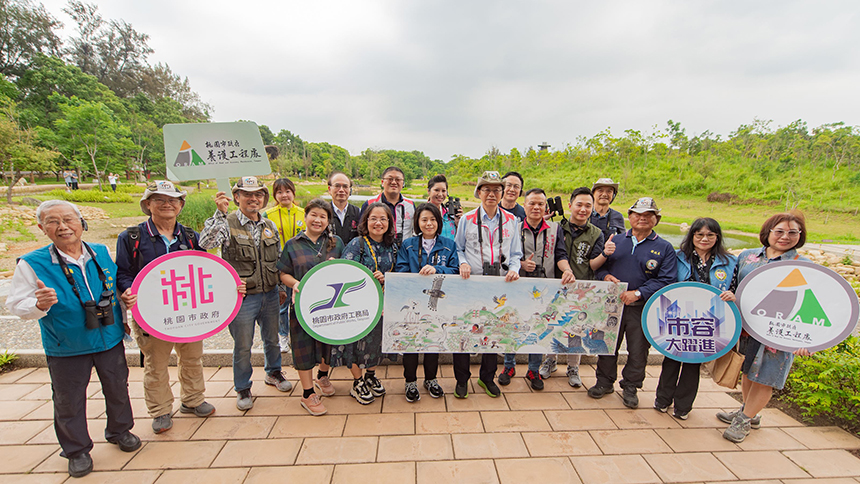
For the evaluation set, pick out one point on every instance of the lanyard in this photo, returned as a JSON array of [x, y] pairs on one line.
[[68, 272], [481, 237], [372, 255]]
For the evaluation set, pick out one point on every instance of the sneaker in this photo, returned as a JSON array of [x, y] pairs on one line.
[[80, 465], [507, 374], [127, 442], [313, 405], [243, 400], [205, 409], [284, 342], [680, 415], [548, 367], [162, 423], [629, 398], [433, 388], [277, 380], [739, 429], [461, 390], [598, 391], [361, 392], [728, 417], [374, 385], [573, 378], [660, 408], [412, 394], [490, 387], [534, 380], [325, 386]]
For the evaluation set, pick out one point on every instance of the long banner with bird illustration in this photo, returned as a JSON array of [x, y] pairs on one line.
[[443, 313]]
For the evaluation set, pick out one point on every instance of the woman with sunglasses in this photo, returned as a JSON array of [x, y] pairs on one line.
[[702, 258]]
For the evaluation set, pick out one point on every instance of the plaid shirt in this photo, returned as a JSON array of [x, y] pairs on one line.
[[216, 232], [300, 254]]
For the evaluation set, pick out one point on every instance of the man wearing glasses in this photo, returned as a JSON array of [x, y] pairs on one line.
[[344, 224], [136, 247], [403, 209], [488, 243], [513, 190], [249, 243]]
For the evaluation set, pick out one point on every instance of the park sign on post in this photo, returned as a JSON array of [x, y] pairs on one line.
[[795, 304], [186, 296], [338, 302], [688, 322], [214, 150], [443, 313]]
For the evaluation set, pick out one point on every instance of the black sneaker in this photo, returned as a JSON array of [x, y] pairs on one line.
[[127, 442], [412, 394], [507, 374], [361, 392], [598, 391], [628, 396], [490, 387], [681, 415], [534, 380], [433, 388], [461, 390], [374, 385]]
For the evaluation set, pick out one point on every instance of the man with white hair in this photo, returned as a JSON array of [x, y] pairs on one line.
[[69, 286]]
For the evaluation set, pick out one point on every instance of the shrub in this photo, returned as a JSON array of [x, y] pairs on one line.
[[828, 382], [7, 358], [198, 208], [90, 196]]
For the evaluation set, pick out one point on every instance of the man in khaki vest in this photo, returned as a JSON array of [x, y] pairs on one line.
[[249, 242]]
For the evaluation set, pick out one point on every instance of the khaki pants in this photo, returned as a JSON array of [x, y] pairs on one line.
[[156, 379]]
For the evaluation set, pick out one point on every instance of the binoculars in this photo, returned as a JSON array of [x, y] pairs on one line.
[[452, 205], [99, 313], [554, 205]]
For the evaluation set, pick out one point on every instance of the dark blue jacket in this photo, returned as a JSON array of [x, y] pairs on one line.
[[610, 224], [649, 268], [443, 256], [150, 247]]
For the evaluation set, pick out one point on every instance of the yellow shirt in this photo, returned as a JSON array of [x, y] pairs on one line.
[[289, 221]]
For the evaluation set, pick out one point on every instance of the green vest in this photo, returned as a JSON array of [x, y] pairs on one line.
[[255, 265], [579, 248]]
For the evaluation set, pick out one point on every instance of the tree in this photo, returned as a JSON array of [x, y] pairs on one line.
[[18, 151], [25, 31]]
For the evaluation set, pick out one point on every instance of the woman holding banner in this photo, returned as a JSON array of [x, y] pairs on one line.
[[374, 248], [764, 368], [426, 254], [301, 253], [702, 258]]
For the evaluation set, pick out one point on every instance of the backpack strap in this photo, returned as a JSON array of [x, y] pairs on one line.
[[134, 236], [192, 241]]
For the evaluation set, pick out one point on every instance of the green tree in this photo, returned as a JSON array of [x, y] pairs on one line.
[[26, 30], [18, 150]]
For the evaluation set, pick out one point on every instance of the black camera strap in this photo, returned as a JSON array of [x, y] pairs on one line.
[[481, 234], [68, 272]]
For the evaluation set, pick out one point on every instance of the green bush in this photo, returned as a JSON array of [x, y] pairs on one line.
[[828, 382], [127, 188], [7, 358], [198, 208], [90, 196]]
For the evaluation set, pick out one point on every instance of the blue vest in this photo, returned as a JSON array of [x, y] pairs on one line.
[[63, 329], [721, 273]]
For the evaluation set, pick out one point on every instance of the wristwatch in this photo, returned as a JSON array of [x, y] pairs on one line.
[[637, 293]]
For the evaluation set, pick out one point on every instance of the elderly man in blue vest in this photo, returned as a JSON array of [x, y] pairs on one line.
[[70, 287]]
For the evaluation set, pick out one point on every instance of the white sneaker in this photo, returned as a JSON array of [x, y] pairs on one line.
[[548, 367], [284, 341], [573, 378]]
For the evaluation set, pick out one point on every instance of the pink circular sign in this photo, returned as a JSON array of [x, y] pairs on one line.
[[186, 296]]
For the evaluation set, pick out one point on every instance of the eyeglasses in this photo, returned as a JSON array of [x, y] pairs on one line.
[[391, 179], [705, 236], [512, 186], [374, 220], [495, 190], [55, 222], [258, 194], [340, 186], [792, 234], [166, 201]]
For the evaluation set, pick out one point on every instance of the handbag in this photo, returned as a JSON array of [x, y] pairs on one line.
[[726, 369]]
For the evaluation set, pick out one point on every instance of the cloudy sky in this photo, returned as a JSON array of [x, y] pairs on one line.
[[459, 77]]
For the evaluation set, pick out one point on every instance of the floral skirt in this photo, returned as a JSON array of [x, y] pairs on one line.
[[366, 352]]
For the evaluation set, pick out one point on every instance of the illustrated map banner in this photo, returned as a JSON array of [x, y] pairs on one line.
[[688, 322], [186, 296], [797, 304], [339, 302], [214, 150], [484, 314]]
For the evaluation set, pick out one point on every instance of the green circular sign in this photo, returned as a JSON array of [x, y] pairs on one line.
[[339, 302]]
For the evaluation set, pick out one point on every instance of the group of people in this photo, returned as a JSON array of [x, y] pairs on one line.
[[273, 248], [71, 179]]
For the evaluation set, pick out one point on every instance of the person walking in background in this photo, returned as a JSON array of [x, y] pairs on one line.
[[112, 180]]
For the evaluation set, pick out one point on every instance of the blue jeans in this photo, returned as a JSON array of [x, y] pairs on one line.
[[263, 309], [284, 315], [534, 361]]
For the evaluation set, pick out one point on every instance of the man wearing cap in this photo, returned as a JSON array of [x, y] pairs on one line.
[[488, 243], [135, 248], [249, 243], [60, 285], [609, 221], [646, 263], [403, 209]]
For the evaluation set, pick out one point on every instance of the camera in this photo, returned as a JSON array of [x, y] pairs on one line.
[[99, 313], [496, 268], [554, 205], [538, 272], [452, 206], [398, 239]]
